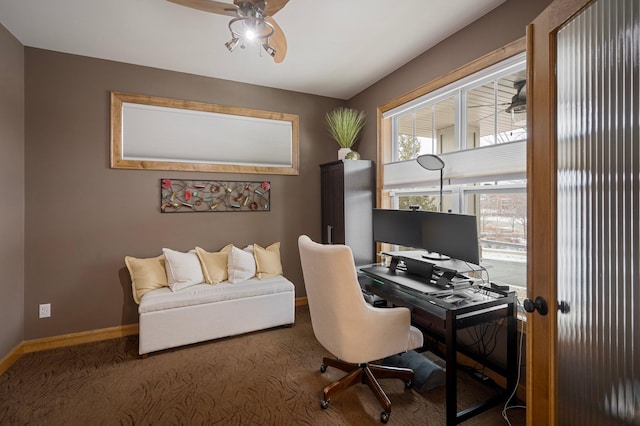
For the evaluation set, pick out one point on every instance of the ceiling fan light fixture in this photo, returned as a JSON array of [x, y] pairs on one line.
[[251, 27], [250, 34], [248, 28], [231, 44], [269, 49], [519, 100], [256, 16]]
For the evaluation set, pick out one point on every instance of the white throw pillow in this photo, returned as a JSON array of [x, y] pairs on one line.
[[183, 269], [241, 265]]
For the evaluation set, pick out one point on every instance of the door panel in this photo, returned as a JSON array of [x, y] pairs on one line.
[[598, 215], [583, 168]]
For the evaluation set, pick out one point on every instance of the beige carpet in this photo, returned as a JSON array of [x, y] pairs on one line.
[[263, 378]]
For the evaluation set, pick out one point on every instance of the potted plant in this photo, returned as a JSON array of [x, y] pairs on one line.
[[345, 125]]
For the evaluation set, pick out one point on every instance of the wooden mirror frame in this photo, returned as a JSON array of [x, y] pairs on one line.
[[246, 165]]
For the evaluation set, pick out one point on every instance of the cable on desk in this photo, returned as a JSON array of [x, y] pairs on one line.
[[515, 388], [482, 268], [474, 335], [493, 340], [486, 271], [483, 347]]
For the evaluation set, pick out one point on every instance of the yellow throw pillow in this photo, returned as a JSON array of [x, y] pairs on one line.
[[146, 275], [267, 261], [214, 265]]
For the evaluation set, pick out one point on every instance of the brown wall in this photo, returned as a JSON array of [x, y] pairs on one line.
[[83, 217], [504, 24], [11, 192]]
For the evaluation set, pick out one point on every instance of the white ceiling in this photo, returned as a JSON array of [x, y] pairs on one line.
[[336, 48]]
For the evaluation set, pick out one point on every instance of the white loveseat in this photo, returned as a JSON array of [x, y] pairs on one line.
[[188, 299]]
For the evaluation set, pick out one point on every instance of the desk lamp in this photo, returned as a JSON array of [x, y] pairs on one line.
[[432, 162]]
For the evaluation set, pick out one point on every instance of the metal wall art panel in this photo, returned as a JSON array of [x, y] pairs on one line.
[[187, 196]]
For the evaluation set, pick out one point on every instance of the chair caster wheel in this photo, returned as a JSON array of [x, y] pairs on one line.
[[408, 384], [324, 404], [384, 417], [323, 368]]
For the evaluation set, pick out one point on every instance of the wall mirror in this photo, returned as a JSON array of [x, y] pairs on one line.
[[152, 133]]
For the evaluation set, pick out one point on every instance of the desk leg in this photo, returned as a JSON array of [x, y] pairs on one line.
[[451, 384], [512, 351]]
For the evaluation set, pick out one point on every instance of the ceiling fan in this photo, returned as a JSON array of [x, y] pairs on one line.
[[252, 22], [518, 102]]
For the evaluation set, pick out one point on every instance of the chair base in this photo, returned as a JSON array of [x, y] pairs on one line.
[[367, 374]]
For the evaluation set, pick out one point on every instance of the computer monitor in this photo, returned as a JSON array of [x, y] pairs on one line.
[[449, 234], [399, 227]]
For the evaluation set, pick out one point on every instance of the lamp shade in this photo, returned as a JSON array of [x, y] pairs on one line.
[[430, 162]]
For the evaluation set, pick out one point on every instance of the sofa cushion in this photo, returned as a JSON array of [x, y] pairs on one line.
[[183, 269], [146, 275], [163, 298], [241, 265], [214, 265], [268, 263]]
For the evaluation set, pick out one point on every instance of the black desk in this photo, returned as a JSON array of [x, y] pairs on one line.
[[441, 313]]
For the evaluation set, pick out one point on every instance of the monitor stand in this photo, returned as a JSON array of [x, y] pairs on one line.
[[445, 279], [435, 256]]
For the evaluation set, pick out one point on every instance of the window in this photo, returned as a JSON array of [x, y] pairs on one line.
[[501, 209], [477, 125], [429, 202], [426, 130], [495, 114]]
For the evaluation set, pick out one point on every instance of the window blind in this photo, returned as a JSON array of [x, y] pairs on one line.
[[493, 162]]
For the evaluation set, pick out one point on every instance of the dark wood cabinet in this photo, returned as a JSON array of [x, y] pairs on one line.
[[347, 189]]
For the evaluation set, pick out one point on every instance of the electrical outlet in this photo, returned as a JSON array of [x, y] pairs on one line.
[[45, 310]]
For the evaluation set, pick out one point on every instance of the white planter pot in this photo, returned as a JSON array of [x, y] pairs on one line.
[[342, 152]]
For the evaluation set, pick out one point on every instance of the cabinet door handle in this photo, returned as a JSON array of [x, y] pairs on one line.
[[329, 232]]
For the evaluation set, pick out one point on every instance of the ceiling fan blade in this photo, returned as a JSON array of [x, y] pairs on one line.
[[273, 6], [488, 105], [278, 41], [210, 6]]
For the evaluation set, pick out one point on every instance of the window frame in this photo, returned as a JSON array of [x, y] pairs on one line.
[[457, 83], [458, 91]]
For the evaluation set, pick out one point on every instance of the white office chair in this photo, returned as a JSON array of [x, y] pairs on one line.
[[355, 332]]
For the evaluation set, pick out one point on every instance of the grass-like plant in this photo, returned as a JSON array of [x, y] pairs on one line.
[[345, 125]]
